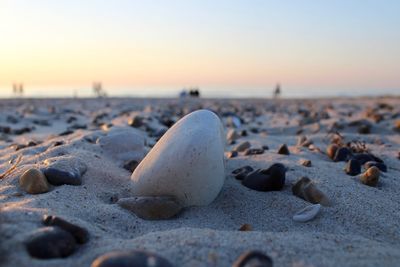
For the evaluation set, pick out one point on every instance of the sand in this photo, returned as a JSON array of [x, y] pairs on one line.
[[361, 228]]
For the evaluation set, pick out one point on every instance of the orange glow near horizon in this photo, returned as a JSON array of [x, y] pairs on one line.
[[212, 45]]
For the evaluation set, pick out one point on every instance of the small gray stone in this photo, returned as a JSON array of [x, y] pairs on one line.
[[151, 208], [242, 146]]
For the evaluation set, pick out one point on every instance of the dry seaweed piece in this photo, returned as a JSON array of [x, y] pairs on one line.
[[12, 168]]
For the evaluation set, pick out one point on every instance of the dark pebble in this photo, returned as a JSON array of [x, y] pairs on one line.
[[131, 165], [232, 154], [67, 132], [80, 234], [243, 133], [5, 129], [381, 166], [58, 143], [133, 258], [365, 157], [271, 179], [136, 121], [283, 150], [253, 151], [242, 172], [50, 242], [353, 167], [342, 154], [59, 177], [21, 130], [254, 130], [265, 147], [364, 129], [253, 259]]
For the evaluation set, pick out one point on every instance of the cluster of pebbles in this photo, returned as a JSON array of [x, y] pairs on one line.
[[167, 159]]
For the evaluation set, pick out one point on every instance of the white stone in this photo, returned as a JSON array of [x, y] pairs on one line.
[[307, 214], [186, 163], [123, 144]]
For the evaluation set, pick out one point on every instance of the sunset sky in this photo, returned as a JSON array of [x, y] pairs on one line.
[[344, 45]]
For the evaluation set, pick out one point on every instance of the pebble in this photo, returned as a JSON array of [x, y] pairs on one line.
[[234, 121], [305, 189], [265, 147], [283, 150], [342, 154], [253, 151], [50, 242], [242, 172], [232, 135], [381, 166], [365, 157], [246, 228], [353, 167], [364, 129], [80, 234], [187, 163], [242, 146], [331, 150], [243, 133], [151, 208], [253, 259], [59, 177], [33, 181], [303, 141], [271, 179], [232, 154], [307, 214], [134, 258], [66, 170], [131, 165], [136, 121], [306, 162], [370, 177], [123, 144]]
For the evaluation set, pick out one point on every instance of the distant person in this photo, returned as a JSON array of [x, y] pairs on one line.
[[194, 93], [183, 94], [98, 90], [18, 89], [21, 89], [277, 91], [15, 89]]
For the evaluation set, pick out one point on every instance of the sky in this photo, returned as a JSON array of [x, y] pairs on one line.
[[319, 46]]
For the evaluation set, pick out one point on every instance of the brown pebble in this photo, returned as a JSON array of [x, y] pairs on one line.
[[151, 208], [253, 151], [33, 181], [232, 154], [370, 177], [306, 162], [246, 227], [306, 189], [242, 146], [283, 150], [331, 150]]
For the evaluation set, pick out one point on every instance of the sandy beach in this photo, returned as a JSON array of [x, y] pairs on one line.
[[359, 227]]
